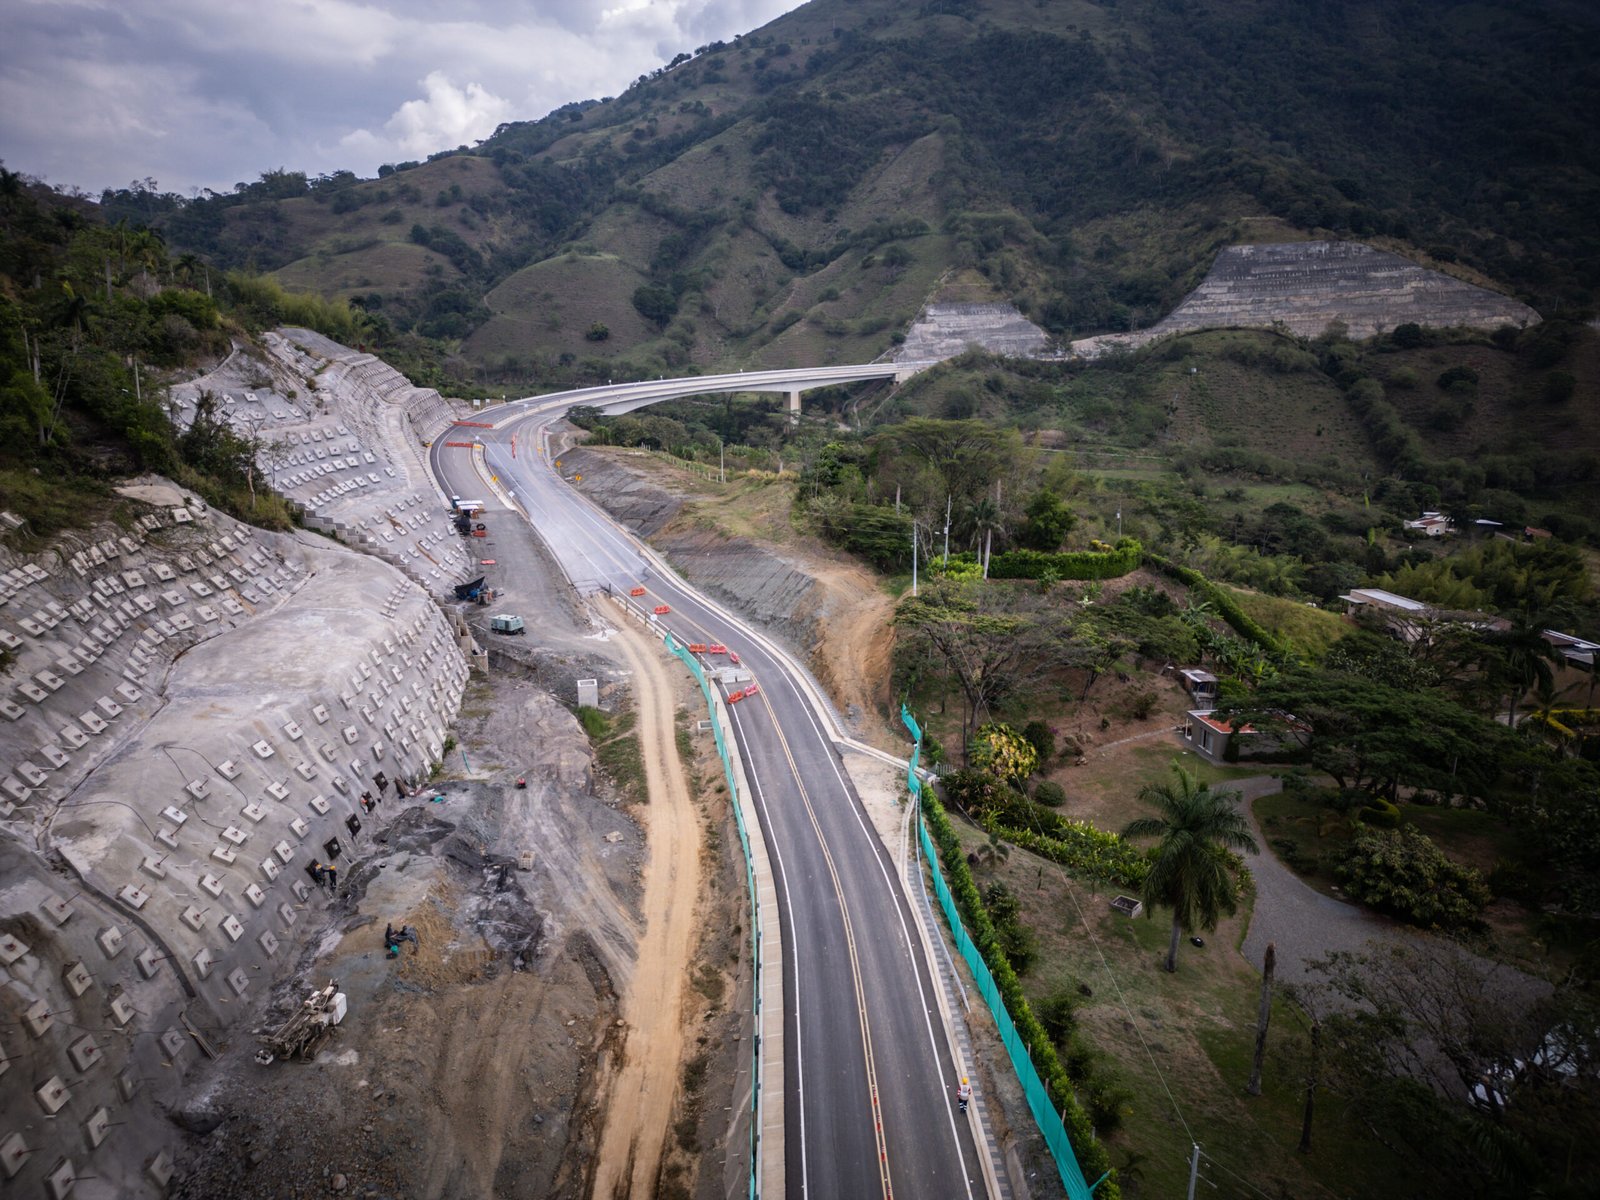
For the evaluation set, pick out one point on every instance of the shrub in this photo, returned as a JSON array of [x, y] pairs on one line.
[[1381, 814], [1402, 873], [1090, 1152], [1075, 564], [1042, 738], [1050, 793], [1058, 1013]]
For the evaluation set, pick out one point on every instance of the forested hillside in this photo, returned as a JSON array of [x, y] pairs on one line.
[[799, 192]]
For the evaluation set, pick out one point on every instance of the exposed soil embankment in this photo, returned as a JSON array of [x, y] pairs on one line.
[[828, 610]]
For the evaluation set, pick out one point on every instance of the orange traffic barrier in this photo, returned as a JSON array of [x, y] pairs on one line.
[[636, 591], [716, 648], [733, 657], [735, 697], [697, 647], [462, 445], [475, 424], [663, 609], [480, 533], [752, 690]]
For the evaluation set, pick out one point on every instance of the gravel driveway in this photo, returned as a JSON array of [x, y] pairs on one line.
[[1303, 922]]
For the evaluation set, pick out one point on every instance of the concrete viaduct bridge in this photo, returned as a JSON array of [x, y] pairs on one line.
[[792, 381]]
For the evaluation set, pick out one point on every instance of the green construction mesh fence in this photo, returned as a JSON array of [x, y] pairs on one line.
[[1033, 1088], [695, 669]]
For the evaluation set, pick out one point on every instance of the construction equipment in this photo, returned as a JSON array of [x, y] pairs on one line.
[[472, 590], [507, 623], [305, 1030]]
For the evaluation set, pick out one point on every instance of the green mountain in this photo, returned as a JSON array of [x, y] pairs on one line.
[[798, 193]]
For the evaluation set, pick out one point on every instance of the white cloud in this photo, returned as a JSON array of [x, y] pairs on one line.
[[94, 93], [446, 117]]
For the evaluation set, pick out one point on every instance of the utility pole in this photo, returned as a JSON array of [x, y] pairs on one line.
[[1194, 1168], [913, 558], [947, 530]]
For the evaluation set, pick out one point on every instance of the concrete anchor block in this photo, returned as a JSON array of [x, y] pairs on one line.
[[269, 868], [287, 915], [149, 962], [52, 1095], [133, 896], [60, 1180], [97, 1127], [60, 911], [84, 1052], [193, 917], [173, 1042], [122, 1010], [111, 941], [204, 962], [268, 941], [254, 894], [77, 979], [36, 1017], [13, 1153], [154, 867], [232, 927]]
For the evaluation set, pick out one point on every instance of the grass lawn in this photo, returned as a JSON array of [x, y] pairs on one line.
[[1198, 1026]]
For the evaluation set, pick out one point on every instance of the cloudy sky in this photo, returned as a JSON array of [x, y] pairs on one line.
[[209, 93]]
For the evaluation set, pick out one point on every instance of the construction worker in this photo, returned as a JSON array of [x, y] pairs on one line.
[[391, 942], [963, 1094]]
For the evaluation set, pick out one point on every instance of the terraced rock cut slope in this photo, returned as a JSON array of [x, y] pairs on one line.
[[946, 330], [1304, 287]]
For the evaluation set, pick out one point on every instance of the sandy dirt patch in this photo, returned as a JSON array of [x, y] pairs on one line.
[[643, 1086]]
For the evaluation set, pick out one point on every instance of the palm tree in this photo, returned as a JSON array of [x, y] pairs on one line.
[[1523, 660], [986, 520], [1191, 872]]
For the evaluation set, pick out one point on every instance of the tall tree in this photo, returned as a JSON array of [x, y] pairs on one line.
[[989, 645], [1191, 872], [1263, 1018]]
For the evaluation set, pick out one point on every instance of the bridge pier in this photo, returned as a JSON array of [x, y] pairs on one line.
[[794, 407]]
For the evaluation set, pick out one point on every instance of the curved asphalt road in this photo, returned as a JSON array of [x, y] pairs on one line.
[[868, 1070]]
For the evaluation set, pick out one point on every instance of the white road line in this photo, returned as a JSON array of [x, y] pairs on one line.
[[878, 857], [783, 872]]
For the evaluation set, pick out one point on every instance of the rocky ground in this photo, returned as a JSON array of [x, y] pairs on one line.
[[486, 1061]]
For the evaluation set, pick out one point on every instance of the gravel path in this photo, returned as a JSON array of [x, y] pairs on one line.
[[1302, 922]]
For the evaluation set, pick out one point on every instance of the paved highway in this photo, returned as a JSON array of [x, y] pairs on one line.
[[868, 1070]]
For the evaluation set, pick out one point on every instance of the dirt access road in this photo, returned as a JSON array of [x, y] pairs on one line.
[[643, 1085]]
